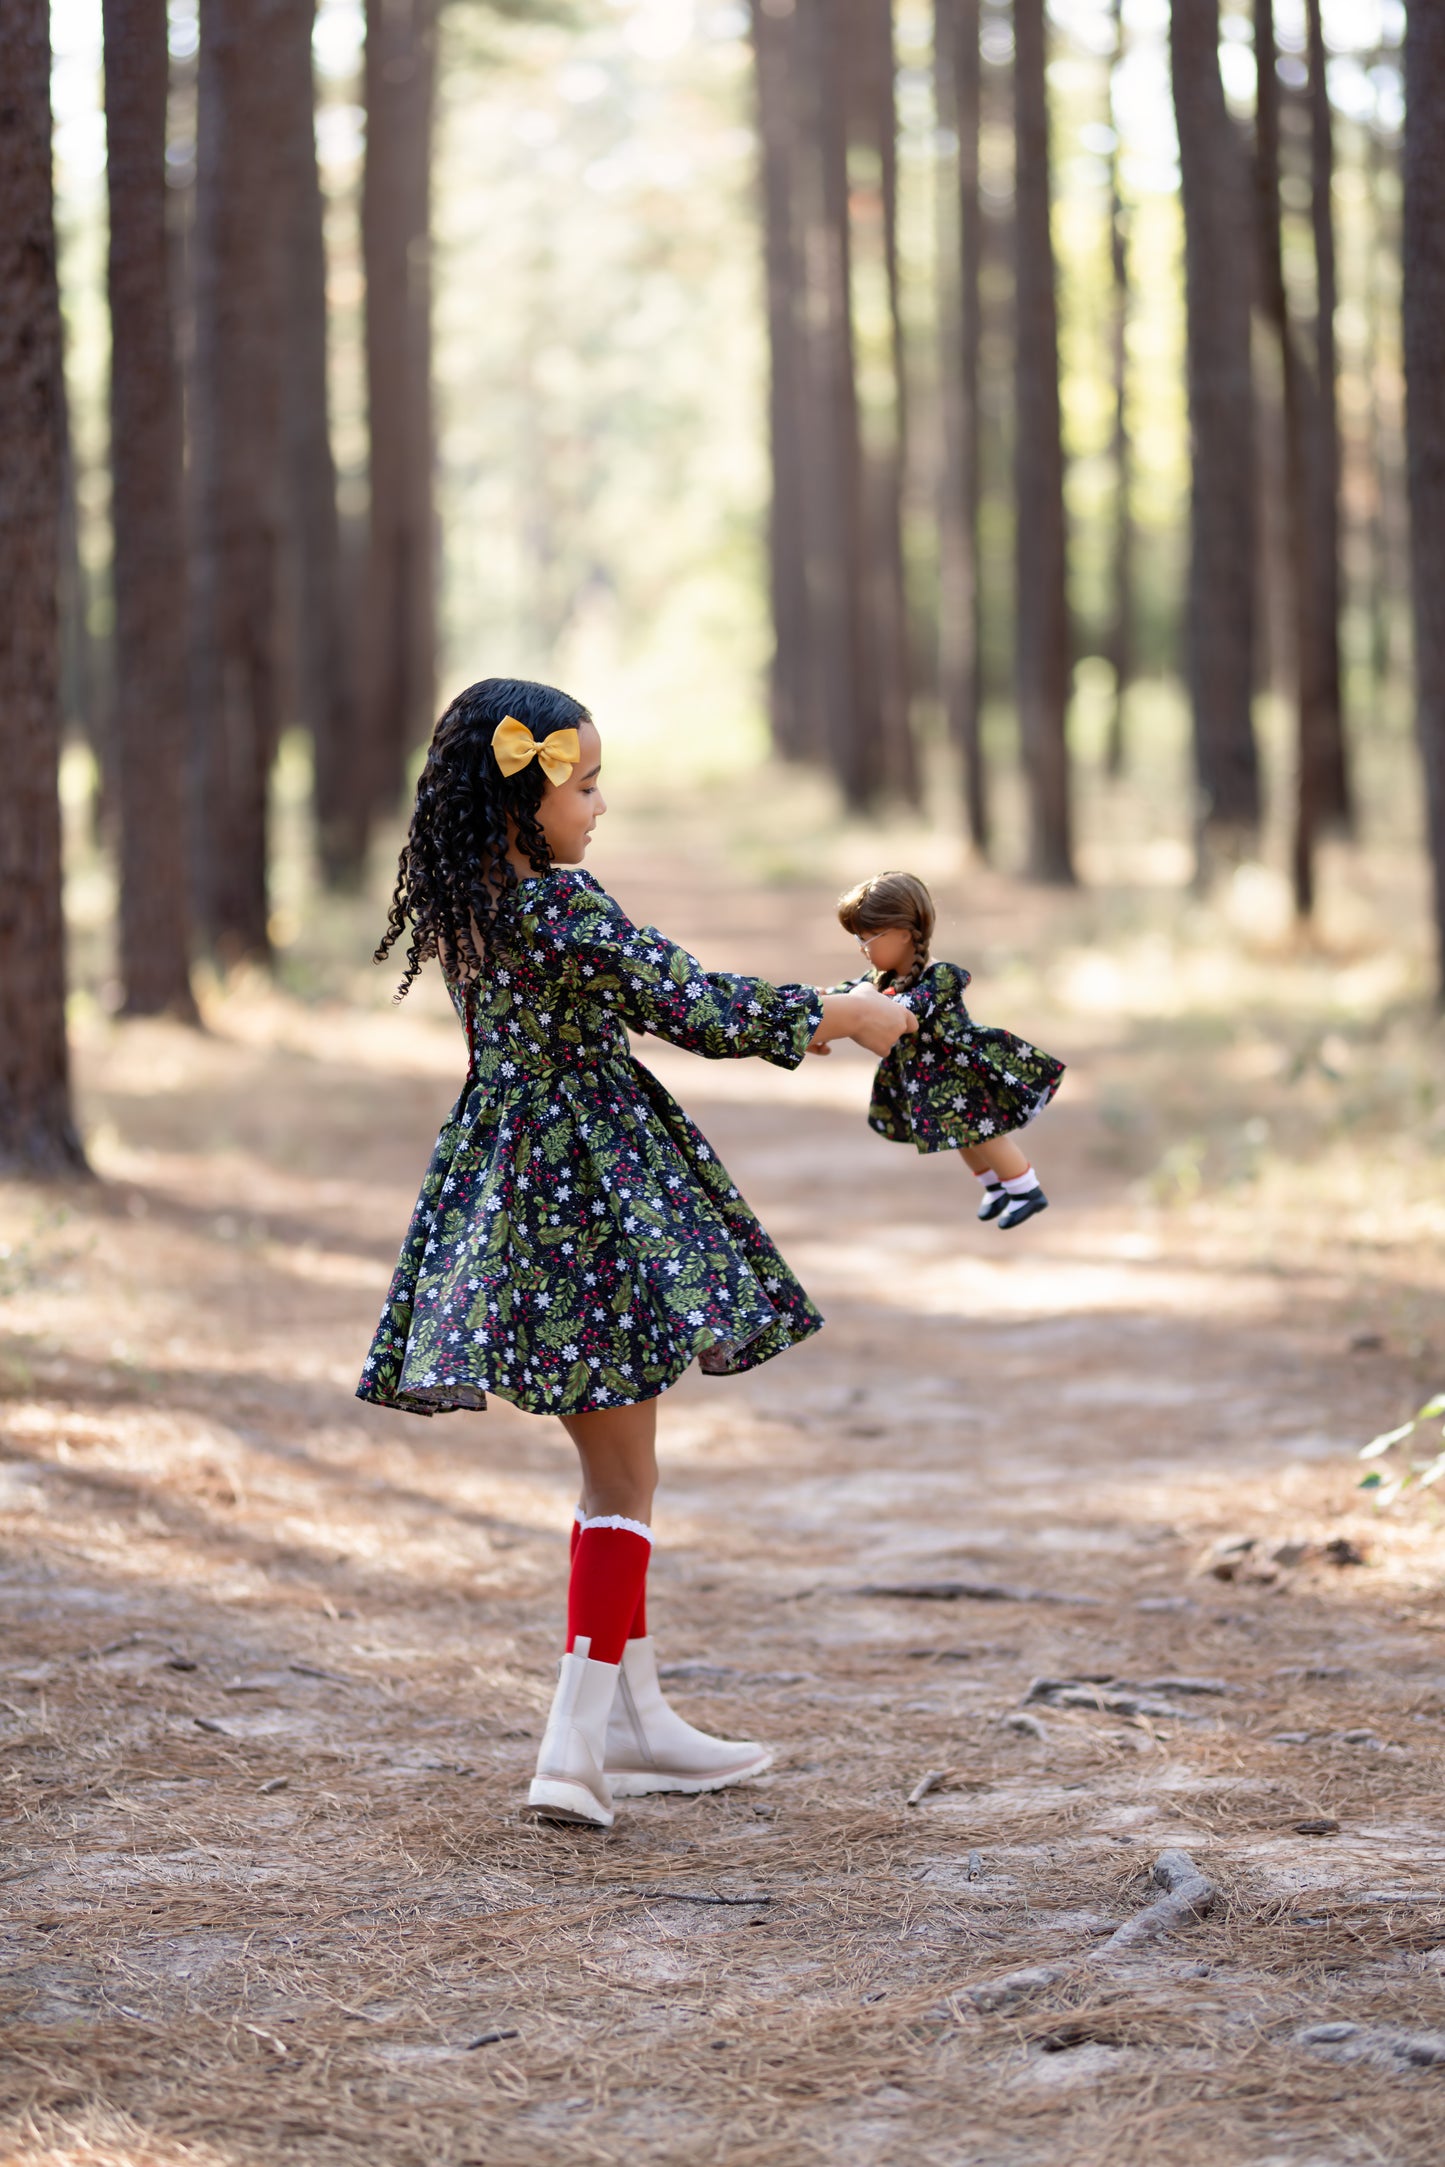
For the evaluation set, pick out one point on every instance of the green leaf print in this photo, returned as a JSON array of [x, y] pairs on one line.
[[579, 1382]]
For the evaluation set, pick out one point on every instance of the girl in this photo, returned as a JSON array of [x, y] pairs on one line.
[[957, 1086], [576, 1243]]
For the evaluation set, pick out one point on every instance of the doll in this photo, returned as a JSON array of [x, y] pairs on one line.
[[956, 1086]]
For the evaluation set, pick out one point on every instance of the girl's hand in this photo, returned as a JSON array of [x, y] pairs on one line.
[[865, 1015], [882, 1022]]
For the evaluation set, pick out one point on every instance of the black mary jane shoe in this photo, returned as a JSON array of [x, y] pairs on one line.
[[994, 1201], [1019, 1208]]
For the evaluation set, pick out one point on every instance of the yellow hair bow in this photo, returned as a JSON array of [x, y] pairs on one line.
[[514, 745]]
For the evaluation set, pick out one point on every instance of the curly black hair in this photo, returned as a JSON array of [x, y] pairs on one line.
[[454, 881]]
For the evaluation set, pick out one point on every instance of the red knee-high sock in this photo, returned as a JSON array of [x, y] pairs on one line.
[[609, 1569], [638, 1630]]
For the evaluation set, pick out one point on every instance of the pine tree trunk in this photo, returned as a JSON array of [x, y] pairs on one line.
[[1302, 555], [1041, 615], [1121, 622], [1336, 808], [775, 58], [836, 544], [1385, 584], [239, 261], [873, 207], [958, 74], [1423, 273], [400, 580], [37, 1132], [315, 576], [150, 716], [1221, 428]]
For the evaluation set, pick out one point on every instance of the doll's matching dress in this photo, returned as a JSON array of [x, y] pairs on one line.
[[954, 1081], [577, 1242]]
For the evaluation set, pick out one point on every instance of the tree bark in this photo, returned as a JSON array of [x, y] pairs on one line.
[[150, 716], [1423, 273], [1222, 550], [836, 544], [316, 579], [873, 216], [775, 57], [400, 580], [1121, 637], [1303, 554], [37, 1131], [239, 261], [958, 72], [1042, 614], [1336, 808]]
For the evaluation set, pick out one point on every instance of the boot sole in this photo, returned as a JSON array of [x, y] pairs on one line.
[[549, 1800], [643, 1783]]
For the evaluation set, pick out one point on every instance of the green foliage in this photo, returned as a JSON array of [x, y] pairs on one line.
[[1416, 1474]]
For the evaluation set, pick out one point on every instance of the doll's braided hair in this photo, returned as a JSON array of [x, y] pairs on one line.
[[886, 901], [455, 882]]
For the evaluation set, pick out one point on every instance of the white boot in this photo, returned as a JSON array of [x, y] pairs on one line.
[[650, 1748], [570, 1784]]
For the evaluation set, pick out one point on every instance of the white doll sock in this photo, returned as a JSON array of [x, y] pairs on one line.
[[989, 1178], [1022, 1183]]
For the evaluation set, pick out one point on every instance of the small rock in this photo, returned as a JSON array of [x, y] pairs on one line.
[[1030, 1726], [1341, 1551], [1007, 1993], [1327, 2035], [1323, 1826], [1365, 1342]]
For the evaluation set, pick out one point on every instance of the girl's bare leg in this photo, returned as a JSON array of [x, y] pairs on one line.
[[618, 1450], [1000, 1155]]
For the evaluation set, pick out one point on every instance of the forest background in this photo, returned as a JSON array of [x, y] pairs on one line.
[[486, 338], [888, 506]]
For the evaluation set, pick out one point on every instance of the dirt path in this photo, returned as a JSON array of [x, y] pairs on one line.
[[274, 1665]]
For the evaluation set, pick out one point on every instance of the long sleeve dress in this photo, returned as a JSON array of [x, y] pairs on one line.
[[577, 1242], [954, 1081]]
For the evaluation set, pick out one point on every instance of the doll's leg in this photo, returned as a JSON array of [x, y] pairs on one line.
[[1000, 1156]]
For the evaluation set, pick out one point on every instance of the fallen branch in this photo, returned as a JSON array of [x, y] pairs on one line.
[[1188, 1895], [924, 1785], [974, 1591], [699, 1896]]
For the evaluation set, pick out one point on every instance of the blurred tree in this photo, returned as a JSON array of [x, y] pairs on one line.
[[793, 710], [1335, 806], [239, 265], [1422, 258], [1302, 557], [1222, 551], [1041, 622], [1120, 636], [37, 1131], [873, 219], [838, 551], [149, 574], [398, 640], [315, 576], [958, 74]]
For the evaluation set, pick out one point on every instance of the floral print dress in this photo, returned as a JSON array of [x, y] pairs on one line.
[[577, 1243], [956, 1081]]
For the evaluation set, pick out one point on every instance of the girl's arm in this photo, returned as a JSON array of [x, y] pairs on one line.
[[636, 974]]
